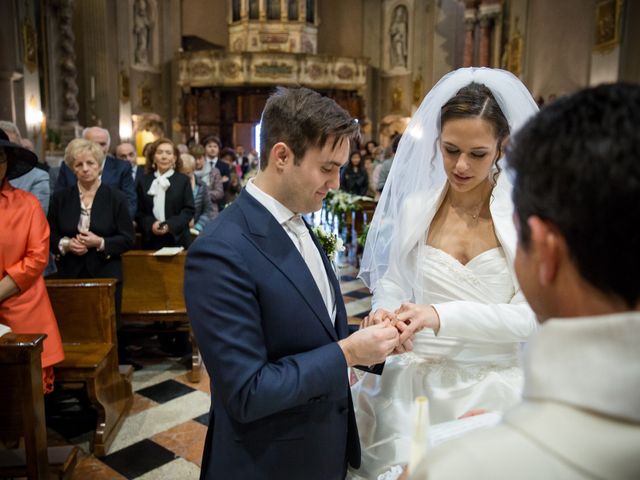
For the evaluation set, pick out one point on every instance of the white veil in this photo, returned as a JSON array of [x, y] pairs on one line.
[[417, 165]]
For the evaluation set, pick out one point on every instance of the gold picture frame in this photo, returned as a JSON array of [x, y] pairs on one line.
[[30, 45], [608, 25]]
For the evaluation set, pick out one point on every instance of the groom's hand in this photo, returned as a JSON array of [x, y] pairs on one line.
[[379, 316], [370, 345]]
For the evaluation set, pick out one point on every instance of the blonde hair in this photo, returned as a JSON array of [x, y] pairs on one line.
[[79, 145], [188, 162]]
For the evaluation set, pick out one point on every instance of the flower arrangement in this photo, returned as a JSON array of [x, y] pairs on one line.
[[362, 238], [339, 202], [330, 242]]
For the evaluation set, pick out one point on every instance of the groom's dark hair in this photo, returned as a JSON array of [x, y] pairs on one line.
[[302, 118], [577, 166]]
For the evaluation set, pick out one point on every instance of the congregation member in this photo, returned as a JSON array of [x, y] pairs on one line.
[[576, 177], [90, 223], [234, 186], [115, 172], [354, 177], [205, 209], [165, 199], [447, 216], [267, 311], [212, 147], [36, 180], [24, 253], [127, 152]]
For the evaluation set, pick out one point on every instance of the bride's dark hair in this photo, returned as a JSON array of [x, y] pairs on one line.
[[476, 100]]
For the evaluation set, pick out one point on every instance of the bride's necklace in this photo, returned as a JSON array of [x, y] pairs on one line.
[[474, 212]]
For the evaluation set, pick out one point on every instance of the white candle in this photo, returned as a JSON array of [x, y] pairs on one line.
[[420, 436]]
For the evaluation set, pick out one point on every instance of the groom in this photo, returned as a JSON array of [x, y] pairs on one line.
[[267, 312]]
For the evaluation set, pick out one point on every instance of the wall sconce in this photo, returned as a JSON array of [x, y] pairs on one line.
[[125, 130], [36, 124], [34, 117], [143, 137]]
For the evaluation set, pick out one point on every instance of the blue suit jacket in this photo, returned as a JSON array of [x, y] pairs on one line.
[[281, 404], [115, 172]]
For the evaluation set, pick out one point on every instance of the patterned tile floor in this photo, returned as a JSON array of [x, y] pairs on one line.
[[163, 434]]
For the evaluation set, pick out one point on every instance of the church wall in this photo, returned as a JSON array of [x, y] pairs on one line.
[[630, 48], [206, 19], [558, 46], [10, 65], [341, 28]]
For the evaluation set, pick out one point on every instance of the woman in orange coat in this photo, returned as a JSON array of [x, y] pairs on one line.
[[24, 252]]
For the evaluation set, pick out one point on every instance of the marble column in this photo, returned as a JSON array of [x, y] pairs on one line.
[[469, 27], [67, 56], [484, 54]]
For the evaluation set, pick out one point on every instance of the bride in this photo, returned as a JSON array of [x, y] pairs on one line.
[[439, 259]]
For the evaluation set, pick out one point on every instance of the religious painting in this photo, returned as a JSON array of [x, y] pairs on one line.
[[123, 84], [30, 51], [144, 96], [607, 26]]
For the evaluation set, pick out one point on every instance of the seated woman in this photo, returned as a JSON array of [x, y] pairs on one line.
[[205, 209], [234, 186], [354, 177], [439, 258], [165, 199], [90, 222], [24, 252]]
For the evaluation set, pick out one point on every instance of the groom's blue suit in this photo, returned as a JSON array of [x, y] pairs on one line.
[[281, 404]]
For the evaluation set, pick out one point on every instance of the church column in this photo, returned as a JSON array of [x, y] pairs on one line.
[[485, 40], [68, 69], [469, 27]]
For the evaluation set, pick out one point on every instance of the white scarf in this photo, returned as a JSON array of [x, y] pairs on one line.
[[158, 191]]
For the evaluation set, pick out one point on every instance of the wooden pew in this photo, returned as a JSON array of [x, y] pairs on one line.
[[153, 292], [85, 311], [361, 217], [22, 413]]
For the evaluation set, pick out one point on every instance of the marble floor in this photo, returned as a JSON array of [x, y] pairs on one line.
[[163, 434]]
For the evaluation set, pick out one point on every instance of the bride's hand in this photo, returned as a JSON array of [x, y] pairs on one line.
[[416, 317], [379, 316]]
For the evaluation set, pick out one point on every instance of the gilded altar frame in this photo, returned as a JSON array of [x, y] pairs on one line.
[[608, 25]]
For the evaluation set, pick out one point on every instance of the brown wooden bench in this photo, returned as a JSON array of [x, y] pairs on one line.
[[22, 413], [153, 292], [361, 217], [85, 311]]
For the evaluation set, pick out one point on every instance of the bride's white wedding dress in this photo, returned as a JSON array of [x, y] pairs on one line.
[[456, 374]]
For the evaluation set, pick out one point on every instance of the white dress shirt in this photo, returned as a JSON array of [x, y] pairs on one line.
[[282, 215]]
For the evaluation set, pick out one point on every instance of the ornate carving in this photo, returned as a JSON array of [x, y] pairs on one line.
[[143, 24], [345, 72], [205, 68], [307, 46], [202, 69], [273, 70], [399, 35], [512, 55], [271, 39], [230, 69], [314, 71], [67, 54]]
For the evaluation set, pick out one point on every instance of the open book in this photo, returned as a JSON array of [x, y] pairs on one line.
[[4, 329], [168, 251]]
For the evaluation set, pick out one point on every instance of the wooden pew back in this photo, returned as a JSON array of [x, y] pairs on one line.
[[21, 397], [153, 285], [84, 309]]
